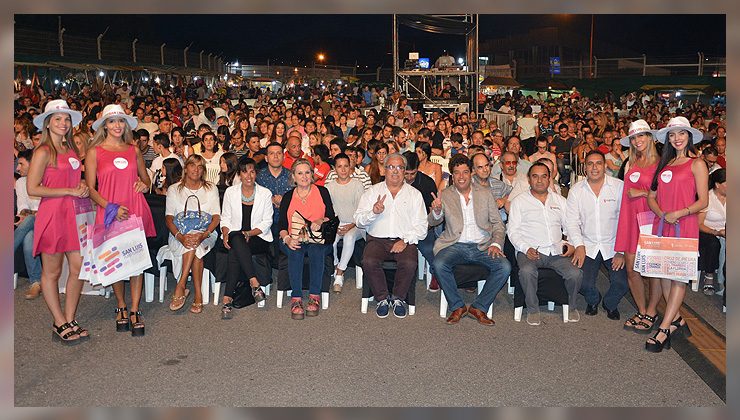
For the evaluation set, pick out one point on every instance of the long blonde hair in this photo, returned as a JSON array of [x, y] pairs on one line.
[[197, 160], [651, 153], [102, 133], [46, 140]]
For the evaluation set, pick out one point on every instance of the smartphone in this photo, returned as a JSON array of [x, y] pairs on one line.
[[565, 249]]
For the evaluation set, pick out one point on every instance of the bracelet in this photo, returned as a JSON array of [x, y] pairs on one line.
[[689, 211]]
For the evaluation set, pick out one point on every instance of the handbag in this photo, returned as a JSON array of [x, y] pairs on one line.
[[324, 235], [242, 296], [668, 258], [190, 220]]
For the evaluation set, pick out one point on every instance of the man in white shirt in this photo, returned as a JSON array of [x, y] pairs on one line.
[[474, 234], [536, 226], [25, 219], [592, 215], [395, 219]]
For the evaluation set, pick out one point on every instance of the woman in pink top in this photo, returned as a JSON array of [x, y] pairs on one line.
[[115, 164], [55, 176], [638, 174], [680, 189]]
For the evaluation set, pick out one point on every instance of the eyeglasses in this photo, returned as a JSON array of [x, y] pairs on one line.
[[510, 163], [395, 167]]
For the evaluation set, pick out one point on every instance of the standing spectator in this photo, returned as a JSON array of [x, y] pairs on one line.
[[561, 145], [528, 130], [393, 215], [638, 173], [345, 194], [54, 176], [276, 178], [117, 178], [305, 207], [712, 222], [678, 192]]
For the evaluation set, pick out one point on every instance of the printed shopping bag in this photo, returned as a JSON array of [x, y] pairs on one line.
[[84, 220], [668, 258], [120, 251]]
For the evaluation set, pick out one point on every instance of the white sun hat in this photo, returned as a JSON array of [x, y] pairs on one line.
[[636, 127], [52, 107], [114, 110], [678, 124]]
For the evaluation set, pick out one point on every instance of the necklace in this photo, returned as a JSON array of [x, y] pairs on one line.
[[249, 199], [191, 191], [303, 199]]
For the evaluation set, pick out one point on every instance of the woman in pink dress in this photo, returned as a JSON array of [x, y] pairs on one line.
[[115, 164], [680, 190], [638, 174], [55, 176]]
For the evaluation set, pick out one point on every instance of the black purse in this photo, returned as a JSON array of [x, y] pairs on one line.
[[242, 296], [326, 234]]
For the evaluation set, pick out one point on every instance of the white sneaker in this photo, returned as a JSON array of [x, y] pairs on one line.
[[533, 318], [338, 283], [573, 315]]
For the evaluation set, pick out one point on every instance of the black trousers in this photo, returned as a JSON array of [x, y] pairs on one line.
[[709, 248], [239, 261]]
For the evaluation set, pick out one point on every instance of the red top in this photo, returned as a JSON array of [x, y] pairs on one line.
[[320, 172], [116, 174], [676, 191], [628, 231], [288, 162]]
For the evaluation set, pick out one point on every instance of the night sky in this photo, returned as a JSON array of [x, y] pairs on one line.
[[367, 39]]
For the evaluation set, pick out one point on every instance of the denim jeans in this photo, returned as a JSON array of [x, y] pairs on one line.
[[425, 247], [461, 253], [617, 282], [23, 235], [316, 254]]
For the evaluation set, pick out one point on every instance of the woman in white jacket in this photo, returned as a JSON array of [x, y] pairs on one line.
[[246, 218]]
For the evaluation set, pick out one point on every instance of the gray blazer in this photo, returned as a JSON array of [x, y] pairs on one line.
[[487, 218]]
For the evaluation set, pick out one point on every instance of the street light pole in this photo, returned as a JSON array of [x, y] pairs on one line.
[[591, 51]]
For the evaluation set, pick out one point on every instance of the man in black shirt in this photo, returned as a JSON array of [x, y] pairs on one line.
[[426, 187], [561, 145]]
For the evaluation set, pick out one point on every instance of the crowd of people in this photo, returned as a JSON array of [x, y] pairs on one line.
[[296, 179]]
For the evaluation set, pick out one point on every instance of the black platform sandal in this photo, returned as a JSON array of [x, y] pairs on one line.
[[122, 324], [648, 327], [137, 328], [681, 329], [82, 332], [56, 334], [657, 346], [630, 323]]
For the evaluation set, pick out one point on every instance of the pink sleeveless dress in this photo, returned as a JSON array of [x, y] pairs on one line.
[[116, 175], [55, 226], [676, 191], [628, 230]]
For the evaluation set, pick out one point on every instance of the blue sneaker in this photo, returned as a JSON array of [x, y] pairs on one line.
[[399, 308], [383, 307]]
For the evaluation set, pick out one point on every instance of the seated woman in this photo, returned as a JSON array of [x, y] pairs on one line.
[[712, 221], [427, 167], [188, 249], [228, 166], [171, 174], [376, 167], [303, 210], [245, 228], [211, 155], [345, 192]]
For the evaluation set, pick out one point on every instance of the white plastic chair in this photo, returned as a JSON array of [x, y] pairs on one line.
[[164, 254], [550, 307]]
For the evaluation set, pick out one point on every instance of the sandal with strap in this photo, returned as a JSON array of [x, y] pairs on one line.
[[82, 332], [66, 339], [313, 305], [227, 311], [296, 309], [682, 329], [196, 308], [178, 302], [657, 346], [632, 321], [258, 294], [137, 328], [646, 327], [122, 324]]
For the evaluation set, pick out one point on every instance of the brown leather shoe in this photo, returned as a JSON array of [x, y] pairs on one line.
[[457, 314], [480, 316]]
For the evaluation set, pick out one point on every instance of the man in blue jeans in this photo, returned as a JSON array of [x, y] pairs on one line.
[[592, 215], [474, 234], [23, 233]]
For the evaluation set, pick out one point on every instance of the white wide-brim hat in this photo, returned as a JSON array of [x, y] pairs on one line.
[[678, 124], [114, 111], [57, 105], [636, 127]]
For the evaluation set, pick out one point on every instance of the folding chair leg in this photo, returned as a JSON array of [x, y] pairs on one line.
[[358, 277], [108, 291], [205, 286], [363, 307], [15, 280], [565, 313], [162, 283], [550, 306], [442, 304], [412, 309], [510, 288], [279, 302], [324, 300], [420, 265], [518, 313], [267, 289], [216, 292], [695, 285], [148, 287]]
